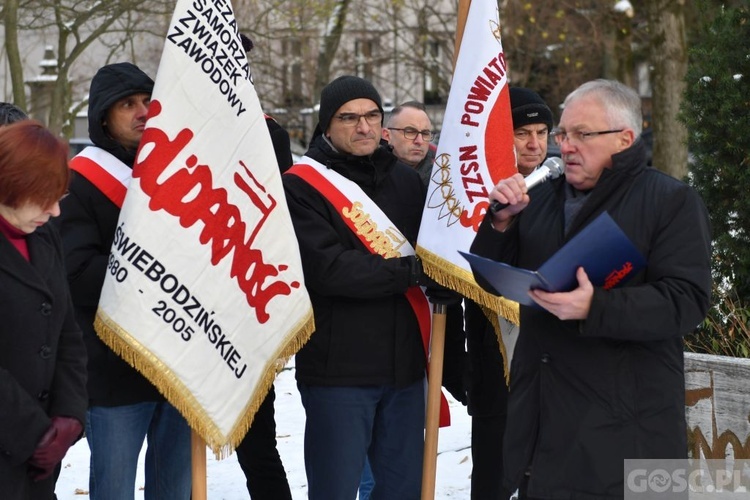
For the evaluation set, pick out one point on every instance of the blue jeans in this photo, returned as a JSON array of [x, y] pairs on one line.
[[115, 436], [345, 424], [366, 483]]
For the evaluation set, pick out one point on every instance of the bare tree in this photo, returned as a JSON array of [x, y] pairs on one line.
[[668, 51], [10, 18], [79, 26]]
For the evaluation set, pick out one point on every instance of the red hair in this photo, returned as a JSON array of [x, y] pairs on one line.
[[33, 165]]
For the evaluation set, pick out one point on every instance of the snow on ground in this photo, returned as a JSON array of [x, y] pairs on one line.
[[227, 482]]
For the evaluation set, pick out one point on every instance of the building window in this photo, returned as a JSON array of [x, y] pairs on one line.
[[433, 54], [363, 56], [292, 76]]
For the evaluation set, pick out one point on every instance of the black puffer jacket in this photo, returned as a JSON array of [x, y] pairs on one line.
[[366, 332], [585, 395], [87, 223]]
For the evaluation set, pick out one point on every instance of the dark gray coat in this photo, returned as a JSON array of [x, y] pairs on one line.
[[42, 357], [585, 395]]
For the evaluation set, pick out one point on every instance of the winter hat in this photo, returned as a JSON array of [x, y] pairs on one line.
[[247, 42], [110, 84], [340, 91], [527, 107]]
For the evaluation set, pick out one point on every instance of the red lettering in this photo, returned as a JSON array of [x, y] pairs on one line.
[[190, 195], [617, 275], [468, 153], [473, 221]]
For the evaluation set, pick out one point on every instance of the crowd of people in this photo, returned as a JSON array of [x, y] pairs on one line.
[[596, 378]]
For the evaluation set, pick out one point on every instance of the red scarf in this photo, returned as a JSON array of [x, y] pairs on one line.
[[15, 236]]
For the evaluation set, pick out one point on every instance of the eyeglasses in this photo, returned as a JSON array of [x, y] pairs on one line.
[[410, 133], [374, 117], [65, 195], [576, 136]]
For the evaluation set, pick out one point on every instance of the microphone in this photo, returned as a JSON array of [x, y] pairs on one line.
[[552, 168]]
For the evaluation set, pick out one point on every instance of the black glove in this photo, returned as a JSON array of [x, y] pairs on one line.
[[441, 295], [436, 292]]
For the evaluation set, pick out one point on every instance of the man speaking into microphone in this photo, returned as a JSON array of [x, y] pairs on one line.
[[597, 375]]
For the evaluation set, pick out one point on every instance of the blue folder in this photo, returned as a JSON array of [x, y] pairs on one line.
[[602, 248]]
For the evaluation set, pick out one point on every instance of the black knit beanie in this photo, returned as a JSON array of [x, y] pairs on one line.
[[527, 108], [340, 91]]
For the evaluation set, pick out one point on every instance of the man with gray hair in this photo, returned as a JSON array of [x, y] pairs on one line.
[[597, 375]]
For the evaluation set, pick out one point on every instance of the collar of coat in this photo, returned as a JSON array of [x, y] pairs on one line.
[[366, 171]]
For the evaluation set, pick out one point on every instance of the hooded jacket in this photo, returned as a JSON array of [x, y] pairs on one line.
[[112, 83], [87, 224]]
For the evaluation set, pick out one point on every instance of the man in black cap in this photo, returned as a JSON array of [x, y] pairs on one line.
[[532, 122], [124, 407], [488, 392], [356, 211]]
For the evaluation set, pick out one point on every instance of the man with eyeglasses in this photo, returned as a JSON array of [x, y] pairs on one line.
[[597, 375], [409, 132], [356, 211], [487, 389]]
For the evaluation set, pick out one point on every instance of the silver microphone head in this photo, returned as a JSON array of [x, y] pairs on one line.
[[555, 165]]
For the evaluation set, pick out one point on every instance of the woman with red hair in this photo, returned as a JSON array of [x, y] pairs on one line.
[[42, 356]]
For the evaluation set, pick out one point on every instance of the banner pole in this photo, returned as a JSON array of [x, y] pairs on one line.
[[432, 416], [198, 453], [461, 15]]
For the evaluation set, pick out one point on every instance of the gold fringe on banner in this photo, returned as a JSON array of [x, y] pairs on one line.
[[456, 278], [169, 385]]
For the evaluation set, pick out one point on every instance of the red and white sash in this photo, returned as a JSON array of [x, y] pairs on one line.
[[376, 232], [106, 172]]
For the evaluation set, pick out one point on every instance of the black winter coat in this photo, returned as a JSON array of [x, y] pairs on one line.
[[42, 357], [87, 223], [585, 395], [365, 330]]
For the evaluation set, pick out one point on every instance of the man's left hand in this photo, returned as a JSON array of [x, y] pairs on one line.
[[568, 305]]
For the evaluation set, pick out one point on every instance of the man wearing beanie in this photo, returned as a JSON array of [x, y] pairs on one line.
[[488, 392], [124, 407], [356, 211], [532, 121]]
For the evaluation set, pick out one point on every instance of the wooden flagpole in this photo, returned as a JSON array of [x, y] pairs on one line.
[[432, 417], [198, 453], [462, 14], [437, 340]]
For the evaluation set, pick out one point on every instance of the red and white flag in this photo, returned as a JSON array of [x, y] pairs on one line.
[[205, 293], [474, 153]]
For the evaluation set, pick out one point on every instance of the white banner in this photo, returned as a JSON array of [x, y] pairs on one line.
[[475, 152], [205, 292]]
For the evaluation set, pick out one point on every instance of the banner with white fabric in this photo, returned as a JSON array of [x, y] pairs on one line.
[[204, 293], [474, 153]]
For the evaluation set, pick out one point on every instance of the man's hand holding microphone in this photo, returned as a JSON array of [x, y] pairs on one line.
[[510, 196]]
